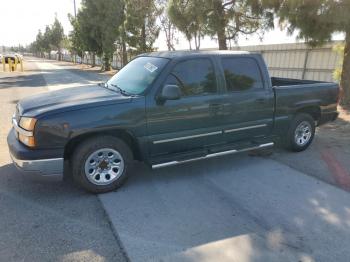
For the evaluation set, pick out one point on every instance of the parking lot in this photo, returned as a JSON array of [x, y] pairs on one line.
[[249, 207]]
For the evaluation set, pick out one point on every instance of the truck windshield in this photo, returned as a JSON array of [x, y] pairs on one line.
[[137, 75]]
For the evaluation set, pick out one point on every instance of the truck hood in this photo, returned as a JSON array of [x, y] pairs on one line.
[[69, 99]]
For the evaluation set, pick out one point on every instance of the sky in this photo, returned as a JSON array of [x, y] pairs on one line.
[[32, 15]]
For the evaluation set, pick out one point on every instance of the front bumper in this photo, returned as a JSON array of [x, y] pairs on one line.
[[50, 169], [32, 163]]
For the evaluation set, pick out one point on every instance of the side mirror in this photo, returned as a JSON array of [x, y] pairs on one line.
[[170, 92]]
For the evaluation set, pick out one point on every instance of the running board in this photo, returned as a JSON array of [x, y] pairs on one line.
[[172, 163]]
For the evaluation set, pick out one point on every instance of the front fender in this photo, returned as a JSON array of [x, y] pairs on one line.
[[57, 130]]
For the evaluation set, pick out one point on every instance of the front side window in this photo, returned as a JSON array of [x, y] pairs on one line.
[[195, 77], [137, 75], [241, 74]]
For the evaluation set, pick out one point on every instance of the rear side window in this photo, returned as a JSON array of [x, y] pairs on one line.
[[195, 77], [241, 73]]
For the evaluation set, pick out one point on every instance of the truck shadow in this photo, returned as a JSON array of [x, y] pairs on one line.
[[30, 80]]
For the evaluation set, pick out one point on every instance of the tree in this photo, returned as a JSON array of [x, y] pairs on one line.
[[121, 41], [189, 17], [89, 31], [99, 21], [227, 20], [140, 24], [37, 46], [222, 19], [46, 41], [316, 21], [339, 49], [166, 25], [52, 39], [56, 37], [79, 44]]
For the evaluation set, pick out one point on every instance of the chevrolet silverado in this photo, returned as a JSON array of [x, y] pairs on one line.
[[166, 108]]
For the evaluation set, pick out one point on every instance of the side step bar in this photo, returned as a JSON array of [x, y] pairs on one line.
[[233, 151]]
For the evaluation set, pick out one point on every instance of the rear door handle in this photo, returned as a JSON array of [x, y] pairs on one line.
[[216, 106], [260, 100]]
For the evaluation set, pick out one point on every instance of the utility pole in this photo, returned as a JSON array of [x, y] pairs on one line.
[[75, 9], [75, 16]]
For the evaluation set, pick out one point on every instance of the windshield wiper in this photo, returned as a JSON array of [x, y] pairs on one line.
[[122, 91]]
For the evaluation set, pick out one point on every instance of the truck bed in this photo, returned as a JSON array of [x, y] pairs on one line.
[[292, 94], [278, 81]]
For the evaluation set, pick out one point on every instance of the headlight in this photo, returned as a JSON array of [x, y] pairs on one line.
[[27, 123], [27, 140]]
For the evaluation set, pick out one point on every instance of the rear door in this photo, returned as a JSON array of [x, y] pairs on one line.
[[188, 124], [248, 101]]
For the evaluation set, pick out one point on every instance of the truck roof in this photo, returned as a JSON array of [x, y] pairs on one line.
[[174, 54]]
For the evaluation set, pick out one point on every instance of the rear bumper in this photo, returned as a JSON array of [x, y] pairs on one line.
[[327, 117], [33, 164]]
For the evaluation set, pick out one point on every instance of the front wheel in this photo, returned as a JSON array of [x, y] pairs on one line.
[[301, 132], [100, 164]]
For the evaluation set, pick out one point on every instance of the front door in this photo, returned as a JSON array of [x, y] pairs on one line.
[[188, 124]]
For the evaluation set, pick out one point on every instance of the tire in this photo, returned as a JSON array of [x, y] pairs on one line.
[[101, 164], [301, 132]]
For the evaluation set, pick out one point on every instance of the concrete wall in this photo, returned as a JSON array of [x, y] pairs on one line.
[[297, 60]]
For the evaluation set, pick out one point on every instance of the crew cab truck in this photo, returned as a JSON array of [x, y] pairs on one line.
[[166, 108]]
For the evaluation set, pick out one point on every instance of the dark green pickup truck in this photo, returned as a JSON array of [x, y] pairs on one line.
[[166, 108]]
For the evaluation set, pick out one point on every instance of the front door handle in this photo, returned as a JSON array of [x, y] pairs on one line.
[[260, 100]]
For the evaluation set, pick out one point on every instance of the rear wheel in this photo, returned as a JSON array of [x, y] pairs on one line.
[[100, 164], [301, 132]]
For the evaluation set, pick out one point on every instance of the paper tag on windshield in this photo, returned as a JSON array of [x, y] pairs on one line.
[[150, 67]]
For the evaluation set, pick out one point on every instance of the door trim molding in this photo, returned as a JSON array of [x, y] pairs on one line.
[[233, 151], [244, 128], [207, 134], [186, 137]]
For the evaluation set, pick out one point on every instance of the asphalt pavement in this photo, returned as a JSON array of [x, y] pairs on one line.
[[233, 208], [45, 221]]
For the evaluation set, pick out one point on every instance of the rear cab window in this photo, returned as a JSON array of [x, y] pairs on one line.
[[241, 74]]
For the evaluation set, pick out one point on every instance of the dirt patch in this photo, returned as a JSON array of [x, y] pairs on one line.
[[340, 127], [344, 114]]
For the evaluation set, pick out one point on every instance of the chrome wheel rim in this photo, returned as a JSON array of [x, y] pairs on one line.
[[104, 166], [302, 134]]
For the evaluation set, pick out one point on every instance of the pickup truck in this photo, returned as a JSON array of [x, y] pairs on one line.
[[166, 108]]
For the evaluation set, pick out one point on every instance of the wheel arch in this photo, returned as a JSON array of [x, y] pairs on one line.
[[314, 111], [124, 135]]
